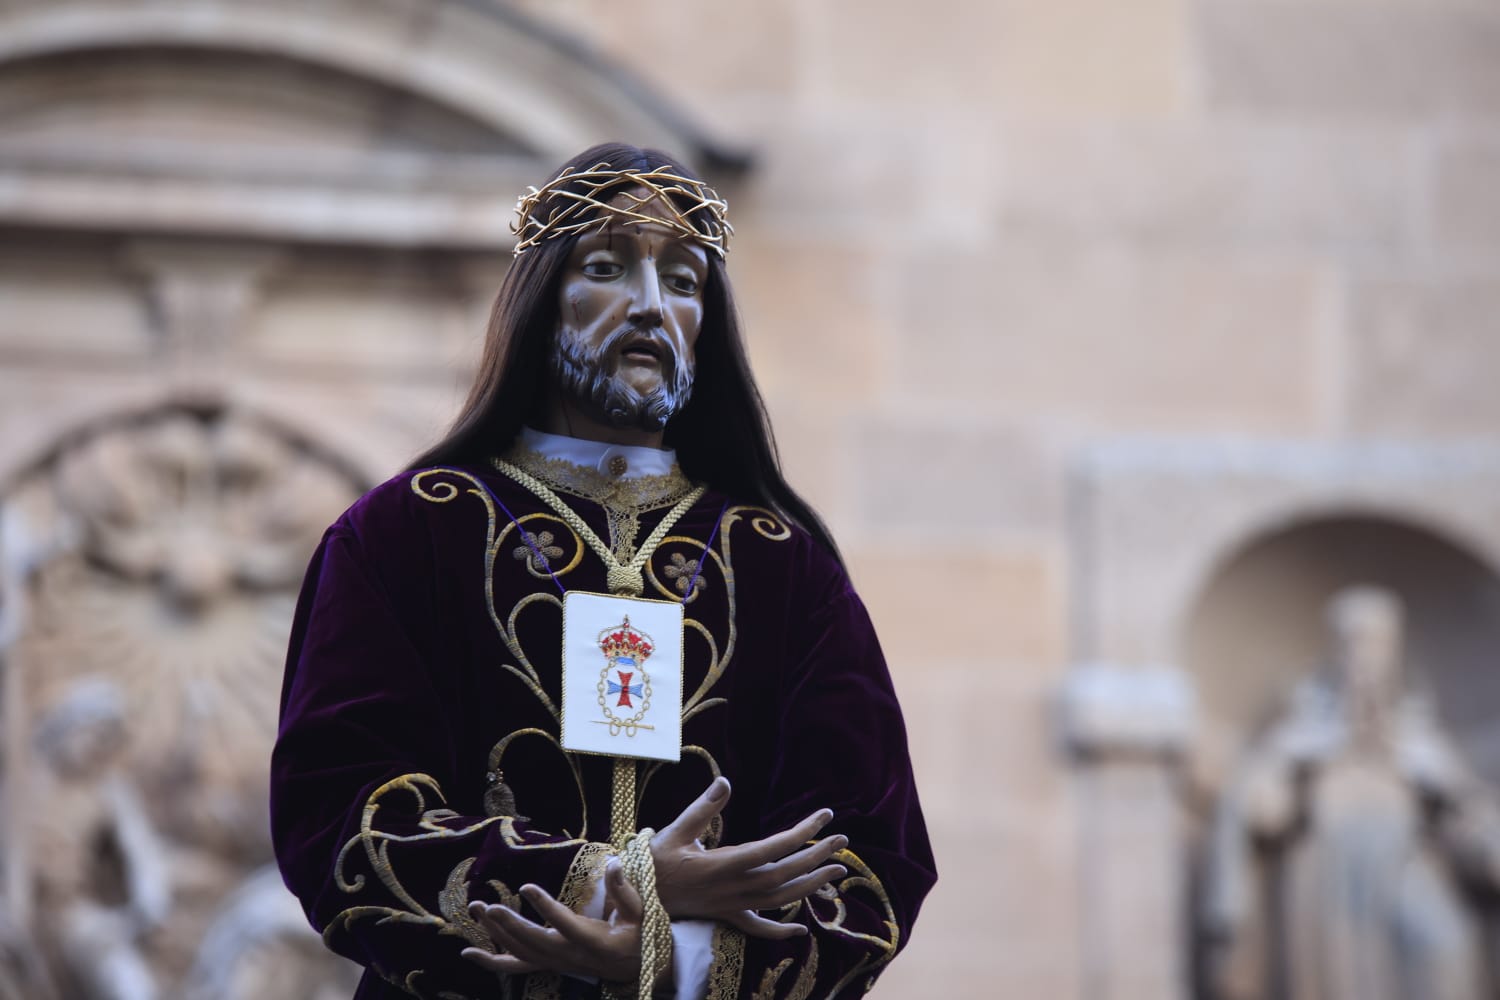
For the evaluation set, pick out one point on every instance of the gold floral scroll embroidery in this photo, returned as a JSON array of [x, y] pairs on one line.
[[452, 917]]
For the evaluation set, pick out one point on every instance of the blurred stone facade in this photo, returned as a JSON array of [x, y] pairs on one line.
[[1110, 338]]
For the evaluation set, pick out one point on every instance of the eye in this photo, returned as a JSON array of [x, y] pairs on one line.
[[602, 269], [681, 282]]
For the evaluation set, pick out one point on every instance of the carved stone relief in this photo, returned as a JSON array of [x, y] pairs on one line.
[[159, 558]]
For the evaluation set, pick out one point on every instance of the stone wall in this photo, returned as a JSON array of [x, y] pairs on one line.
[[1018, 228], [977, 242]]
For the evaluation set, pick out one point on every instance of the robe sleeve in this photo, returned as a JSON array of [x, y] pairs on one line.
[[363, 833], [842, 746]]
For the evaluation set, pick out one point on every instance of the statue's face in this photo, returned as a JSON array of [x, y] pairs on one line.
[[87, 746], [1366, 627], [630, 305]]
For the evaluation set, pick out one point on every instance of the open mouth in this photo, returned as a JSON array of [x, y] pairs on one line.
[[642, 352]]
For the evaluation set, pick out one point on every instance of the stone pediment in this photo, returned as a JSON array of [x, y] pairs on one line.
[[405, 123]]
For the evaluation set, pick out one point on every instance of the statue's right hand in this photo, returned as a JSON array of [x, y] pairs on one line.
[[731, 883]]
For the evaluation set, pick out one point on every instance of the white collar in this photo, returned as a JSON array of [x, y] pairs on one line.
[[638, 459]]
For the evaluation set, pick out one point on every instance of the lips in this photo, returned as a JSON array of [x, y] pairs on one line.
[[643, 350]]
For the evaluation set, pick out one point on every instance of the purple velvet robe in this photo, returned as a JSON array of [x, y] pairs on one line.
[[417, 765]]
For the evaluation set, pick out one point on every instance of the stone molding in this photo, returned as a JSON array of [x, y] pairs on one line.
[[533, 86], [1109, 710], [1151, 520]]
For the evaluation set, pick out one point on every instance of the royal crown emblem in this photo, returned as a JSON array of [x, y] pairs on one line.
[[624, 684]]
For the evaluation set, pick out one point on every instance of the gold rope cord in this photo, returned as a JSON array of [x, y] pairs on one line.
[[626, 578], [589, 208], [656, 926], [635, 848], [622, 803], [623, 500]]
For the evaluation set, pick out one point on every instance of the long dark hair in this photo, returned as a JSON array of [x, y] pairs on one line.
[[723, 435]]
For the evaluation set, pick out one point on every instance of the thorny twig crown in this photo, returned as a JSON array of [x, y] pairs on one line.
[[577, 201]]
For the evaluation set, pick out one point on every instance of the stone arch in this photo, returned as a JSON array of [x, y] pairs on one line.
[[488, 60], [1254, 628], [517, 97], [1151, 522]]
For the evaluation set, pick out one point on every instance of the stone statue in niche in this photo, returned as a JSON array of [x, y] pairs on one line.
[[1354, 856], [151, 648]]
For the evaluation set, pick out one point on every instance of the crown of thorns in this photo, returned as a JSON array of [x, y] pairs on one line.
[[576, 201]]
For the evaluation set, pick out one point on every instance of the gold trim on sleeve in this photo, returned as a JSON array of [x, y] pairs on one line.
[[583, 875], [728, 966]]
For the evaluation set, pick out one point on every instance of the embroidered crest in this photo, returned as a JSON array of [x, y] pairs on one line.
[[624, 683], [630, 705]]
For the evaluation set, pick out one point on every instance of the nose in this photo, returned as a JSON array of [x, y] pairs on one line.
[[645, 298]]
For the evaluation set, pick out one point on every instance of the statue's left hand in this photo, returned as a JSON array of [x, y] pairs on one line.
[[574, 945]]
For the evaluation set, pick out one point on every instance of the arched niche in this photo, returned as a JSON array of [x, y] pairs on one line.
[[1256, 627], [1152, 524]]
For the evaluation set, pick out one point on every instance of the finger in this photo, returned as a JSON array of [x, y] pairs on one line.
[[756, 925], [622, 897], [590, 951], [524, 939], [798, 864], [582, 944], [504, 965], [579, 930], [481, 912], [774, 847], [693, 820], [799, 888]]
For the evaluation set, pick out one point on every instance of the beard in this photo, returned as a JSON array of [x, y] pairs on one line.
[[590, 377]]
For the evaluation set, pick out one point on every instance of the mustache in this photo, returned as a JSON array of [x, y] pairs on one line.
[[666, 352], [589, 374]]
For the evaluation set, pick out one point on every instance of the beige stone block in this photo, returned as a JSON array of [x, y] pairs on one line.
[[1092, 58], [912, 56], [984, 741], [1045, 57], [1115, 336], [697, 53], [962, 165], [810, 441], [1256, 184], [881, 177], [925, 476], [932, 606], [812, 317], [1464, 200], [321, 315], [997, 924], [1350, 58], [1000, 814], [1423, 353], [831, 175]]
